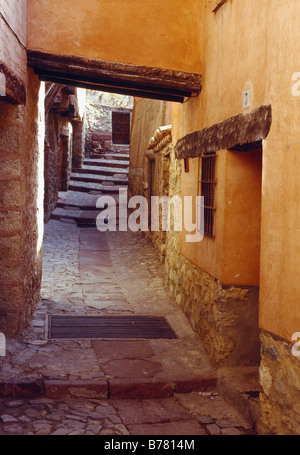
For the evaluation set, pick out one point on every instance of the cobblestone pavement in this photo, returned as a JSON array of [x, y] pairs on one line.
[[186, 414], [108, 387]]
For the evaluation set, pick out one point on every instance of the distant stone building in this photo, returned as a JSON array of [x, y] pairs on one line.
[[107, 122]]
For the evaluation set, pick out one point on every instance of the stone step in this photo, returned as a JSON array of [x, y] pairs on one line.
[[88, 208], [77, 199], [82, 177], [83, 218], [79, 216], [106, 163], [110, 388], [87, 187], [101, 170], [112, 156]]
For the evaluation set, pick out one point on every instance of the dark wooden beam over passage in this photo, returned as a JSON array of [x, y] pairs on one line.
[[232, 134], [156, 83]]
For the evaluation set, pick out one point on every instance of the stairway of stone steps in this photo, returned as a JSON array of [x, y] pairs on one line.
[[101, 175]]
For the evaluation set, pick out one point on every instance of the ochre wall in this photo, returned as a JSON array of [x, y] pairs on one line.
[[153, 33], [232, 256], [263, 57], [148, 115], [242, 218]]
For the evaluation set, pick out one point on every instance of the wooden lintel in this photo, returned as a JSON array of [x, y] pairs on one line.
[[111, 89], [113, 84], [50, 97], [241, 129], [251, 147], [13, 88], [116, 74]]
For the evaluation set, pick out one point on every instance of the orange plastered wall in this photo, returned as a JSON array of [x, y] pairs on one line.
[[154, 33], [253, 44]]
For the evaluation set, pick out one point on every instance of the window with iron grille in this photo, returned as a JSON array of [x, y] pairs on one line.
[[207, 184], [120, 128]]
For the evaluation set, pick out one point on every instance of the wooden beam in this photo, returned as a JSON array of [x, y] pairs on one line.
[[50, 97], [111, 89], [112, 84], [116, 75], [251, 147], [234, 132]]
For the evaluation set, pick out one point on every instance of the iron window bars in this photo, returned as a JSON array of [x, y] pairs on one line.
[[207, 183]]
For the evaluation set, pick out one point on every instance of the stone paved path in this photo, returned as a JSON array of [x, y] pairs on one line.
[[108, 387], [184, 414]]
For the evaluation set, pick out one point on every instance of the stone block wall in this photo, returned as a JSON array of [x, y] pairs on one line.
[[21, 173], [12, 128], [33, 219], [78, 145], [64, 143], [159, 153], [52, 161], [280, 381], [21, 208], [222, 316]]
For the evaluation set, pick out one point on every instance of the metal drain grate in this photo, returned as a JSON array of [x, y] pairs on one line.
[[125, 327]]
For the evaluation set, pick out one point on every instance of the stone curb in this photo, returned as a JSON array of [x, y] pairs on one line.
[[109, 389]]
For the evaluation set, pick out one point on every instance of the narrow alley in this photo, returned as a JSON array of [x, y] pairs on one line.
[[149, 218], [109, 387]]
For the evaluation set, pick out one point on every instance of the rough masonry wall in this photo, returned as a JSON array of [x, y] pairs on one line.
[[158, 153], [21, 210], [78, 143], [12, 128], [65, 145], [279, 377], [64, 140], [33, 219], [52, 163], [21, 175], [223, 317]]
